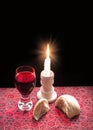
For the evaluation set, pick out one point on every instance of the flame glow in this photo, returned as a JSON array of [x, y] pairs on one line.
[[48, 51]]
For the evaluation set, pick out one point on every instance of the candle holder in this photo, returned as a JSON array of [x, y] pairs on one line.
[[47, 90]]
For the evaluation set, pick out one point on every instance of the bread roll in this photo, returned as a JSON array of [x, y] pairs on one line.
[[68, 104], [40, 108]]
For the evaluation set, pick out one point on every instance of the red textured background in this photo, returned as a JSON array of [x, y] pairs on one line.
[[13, 119]]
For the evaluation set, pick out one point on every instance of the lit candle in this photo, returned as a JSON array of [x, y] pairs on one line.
[[47, 79], [47, 62]]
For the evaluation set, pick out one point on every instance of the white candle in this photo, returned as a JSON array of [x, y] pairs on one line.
[[47, 79], [47, 62]]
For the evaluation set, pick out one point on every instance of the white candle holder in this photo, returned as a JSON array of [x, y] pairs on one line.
[[47, 89]]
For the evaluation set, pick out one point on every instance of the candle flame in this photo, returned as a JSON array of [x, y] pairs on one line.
[[47, 62], [47, 52]]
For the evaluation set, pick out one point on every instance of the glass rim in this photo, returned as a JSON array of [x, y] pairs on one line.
[[26, 66]]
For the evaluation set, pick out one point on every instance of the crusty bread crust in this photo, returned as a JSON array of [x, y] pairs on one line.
[[40, 108], [68, 104]]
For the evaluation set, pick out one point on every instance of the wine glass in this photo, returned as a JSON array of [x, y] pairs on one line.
[[25, 81]]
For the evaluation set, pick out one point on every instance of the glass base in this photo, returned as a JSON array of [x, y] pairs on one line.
[[25, 104]]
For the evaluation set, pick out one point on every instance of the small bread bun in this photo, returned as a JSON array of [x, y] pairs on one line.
[[40, 108], [68, 104]]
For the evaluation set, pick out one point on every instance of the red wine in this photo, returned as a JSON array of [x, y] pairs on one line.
[[25, 82]]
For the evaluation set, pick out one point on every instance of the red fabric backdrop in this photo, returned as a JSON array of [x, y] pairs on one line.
[[11, 118]]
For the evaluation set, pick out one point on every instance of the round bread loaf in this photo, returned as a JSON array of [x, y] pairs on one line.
[[68, 104], [40, 108]]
